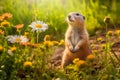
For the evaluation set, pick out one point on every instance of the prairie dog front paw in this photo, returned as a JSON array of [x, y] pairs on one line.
[[71, 48], [76, 48]]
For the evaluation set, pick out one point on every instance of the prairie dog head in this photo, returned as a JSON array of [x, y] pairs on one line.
[[75, 19]]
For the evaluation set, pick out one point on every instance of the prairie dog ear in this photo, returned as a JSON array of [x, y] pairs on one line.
[[84, 17]]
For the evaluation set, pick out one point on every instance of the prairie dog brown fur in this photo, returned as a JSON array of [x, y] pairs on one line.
[[76, 39]]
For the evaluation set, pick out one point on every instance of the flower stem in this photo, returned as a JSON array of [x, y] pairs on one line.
[[37, 37]]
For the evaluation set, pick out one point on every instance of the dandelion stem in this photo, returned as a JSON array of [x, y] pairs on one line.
[[106, 41]]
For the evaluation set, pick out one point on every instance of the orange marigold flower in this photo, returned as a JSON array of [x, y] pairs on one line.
[[19, 26], [90, 57], [1, 48], [5, 23], [80, 63], [7, 15], [27, 64], [23, 43], [1, 31], [1, 18]]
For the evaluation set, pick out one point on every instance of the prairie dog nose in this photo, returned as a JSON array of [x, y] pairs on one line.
[[71, 18]]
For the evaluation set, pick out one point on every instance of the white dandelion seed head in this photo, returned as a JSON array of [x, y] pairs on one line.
[[38, 26]]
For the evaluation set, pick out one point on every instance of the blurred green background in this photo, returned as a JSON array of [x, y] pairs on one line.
[[54, 12]]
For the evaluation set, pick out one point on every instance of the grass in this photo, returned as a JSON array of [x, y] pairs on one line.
[[30, 60]]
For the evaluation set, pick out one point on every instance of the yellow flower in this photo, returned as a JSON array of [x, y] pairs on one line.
[[26, 33], [90, 57], [27, 64], [61, 42], [80, 63], [13, 48], [107, 19], [47, 38], [94, 51], [5, 23], [48, 43], [99, 39], [117, 32], [110, 33], [76, 60], [1, 48], [103, 46]]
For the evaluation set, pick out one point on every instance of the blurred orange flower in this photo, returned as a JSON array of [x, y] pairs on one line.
[[1, 31], [80, 63], [7, 15], [19, 26], [1, 48], [23, 43], [90, 57], [1, 18]]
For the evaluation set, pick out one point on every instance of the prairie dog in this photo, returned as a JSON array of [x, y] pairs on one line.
[[76, 39]]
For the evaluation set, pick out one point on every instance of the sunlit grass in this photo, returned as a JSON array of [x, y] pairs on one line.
[[25, 52], [54, 12]]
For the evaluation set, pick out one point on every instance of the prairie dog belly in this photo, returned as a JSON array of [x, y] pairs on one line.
[[75, 37]]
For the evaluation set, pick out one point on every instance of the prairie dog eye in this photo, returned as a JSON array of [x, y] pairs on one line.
[[77, 14]]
